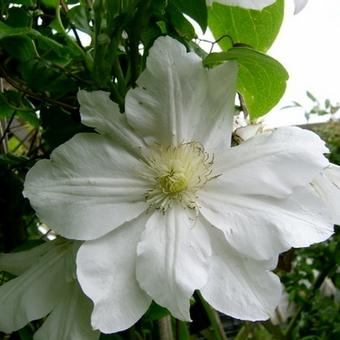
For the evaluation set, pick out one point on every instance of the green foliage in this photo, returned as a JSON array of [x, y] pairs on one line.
[[261, 80], [317, 313], [257, 29], [319, 109], [196, 9]]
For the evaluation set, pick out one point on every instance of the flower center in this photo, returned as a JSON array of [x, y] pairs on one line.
[[176, 173], [173, 182]]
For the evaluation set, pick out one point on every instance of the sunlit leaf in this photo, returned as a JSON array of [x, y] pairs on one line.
[[235, 25], [261, 79]]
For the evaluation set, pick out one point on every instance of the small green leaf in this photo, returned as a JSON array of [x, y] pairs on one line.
[[311, 97], [261, 79], [196, 9], [234, 25]]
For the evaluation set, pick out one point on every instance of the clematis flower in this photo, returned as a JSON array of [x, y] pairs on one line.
[[257, 4], [45, 285], [326, 184], [167, 207]]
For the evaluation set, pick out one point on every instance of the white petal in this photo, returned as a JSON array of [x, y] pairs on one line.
[[239, 286], [171, 261], [89, 187], [244, 133], [248, 4], [299, 5], [327, 186], [33, 294], [99, 111], [261, 227], [106, 273], [271, 163], [17, 263], [70, 319], [177, 100]]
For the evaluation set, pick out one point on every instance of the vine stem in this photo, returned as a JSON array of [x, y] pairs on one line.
[[87, 59], [21, 88], [214, 320], [165, 328]]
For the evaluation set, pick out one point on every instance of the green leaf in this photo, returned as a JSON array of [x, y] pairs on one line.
[[13, 103], [183, 330], [59, 126], [51, 49], [155, 312], [261, 79], [8, 31], [5, 110], [50, 3], [19, 17], [311, 97], [182, 26], [78, 17], [29, 117], [50, 79], [25, 333], [13, 160], [235, 25], [21, 48], [30, 3], [196, 9]]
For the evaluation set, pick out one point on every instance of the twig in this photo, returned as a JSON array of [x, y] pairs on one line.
[[274, 330], [214, 320], [73, 28], [243, 106], [165, 328], [31, 94], [4, 133]]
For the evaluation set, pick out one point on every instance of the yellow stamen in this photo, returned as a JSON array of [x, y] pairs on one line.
[[176, 173]]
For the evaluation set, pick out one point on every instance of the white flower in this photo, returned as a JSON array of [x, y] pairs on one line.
[[327, 186], [45, 285], [257, 4], [299, 5], [284, 310], [167, 207]]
